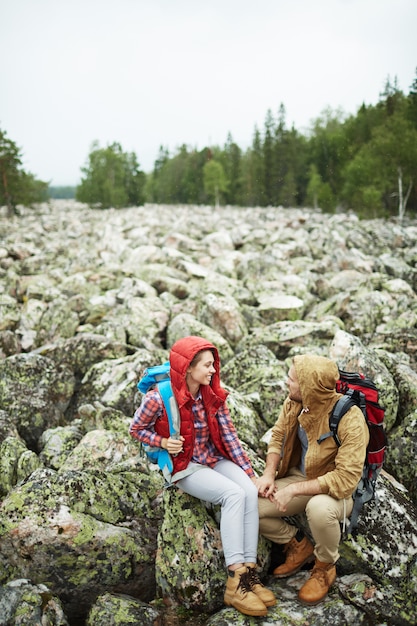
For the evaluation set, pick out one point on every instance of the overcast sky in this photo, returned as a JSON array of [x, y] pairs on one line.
[[147, 73]]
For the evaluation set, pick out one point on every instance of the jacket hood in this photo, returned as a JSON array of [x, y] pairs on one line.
[[317, 378], [182, 353]]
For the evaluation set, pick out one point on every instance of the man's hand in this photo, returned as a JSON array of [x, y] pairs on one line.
[[282, 497]]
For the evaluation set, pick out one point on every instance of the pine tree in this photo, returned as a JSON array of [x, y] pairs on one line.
[[16, 185]]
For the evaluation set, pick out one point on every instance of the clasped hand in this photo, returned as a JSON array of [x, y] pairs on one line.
[[267, 489]]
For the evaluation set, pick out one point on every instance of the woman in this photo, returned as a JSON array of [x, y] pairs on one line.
[[209, 463]]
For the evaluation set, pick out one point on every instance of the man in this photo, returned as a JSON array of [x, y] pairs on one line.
[[302, 474]]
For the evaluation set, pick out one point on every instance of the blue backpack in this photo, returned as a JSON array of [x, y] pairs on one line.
[[158, 376]]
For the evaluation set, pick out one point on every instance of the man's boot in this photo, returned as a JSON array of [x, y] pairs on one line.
[[240, 595], [321, 579], [298, 551], [258, 588]]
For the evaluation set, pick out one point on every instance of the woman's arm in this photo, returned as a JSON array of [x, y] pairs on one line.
[[142, 426]]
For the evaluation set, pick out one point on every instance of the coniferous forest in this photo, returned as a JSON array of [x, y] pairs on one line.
[[365, 162]]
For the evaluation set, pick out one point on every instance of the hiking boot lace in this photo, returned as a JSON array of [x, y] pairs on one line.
[[320, 574], [245, 583], [253, 577]]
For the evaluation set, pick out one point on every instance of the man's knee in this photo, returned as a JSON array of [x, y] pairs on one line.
[[266, 508], [321, 510]]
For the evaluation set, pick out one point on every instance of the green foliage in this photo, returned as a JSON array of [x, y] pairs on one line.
[[231, 160], [382, 173], [365, 162], [214, 181], [112, 178], [61, 192], [16, 185]]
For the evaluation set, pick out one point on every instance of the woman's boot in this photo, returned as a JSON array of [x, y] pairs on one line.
[[240, 595], [258, 588]]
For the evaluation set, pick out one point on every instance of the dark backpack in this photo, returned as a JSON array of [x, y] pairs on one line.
[[361, 391], [158, 376]]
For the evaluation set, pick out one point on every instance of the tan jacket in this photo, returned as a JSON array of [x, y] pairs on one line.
[[338, 469]]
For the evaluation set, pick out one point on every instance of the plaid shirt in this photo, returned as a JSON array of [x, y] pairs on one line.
[[205, 452]]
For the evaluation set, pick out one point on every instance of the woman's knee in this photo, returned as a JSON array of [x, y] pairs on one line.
[[252, 493], [233, 492]]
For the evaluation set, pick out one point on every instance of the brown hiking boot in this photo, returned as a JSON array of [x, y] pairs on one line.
[[239, 594], [298, 551], [321, 579], [258, 588]]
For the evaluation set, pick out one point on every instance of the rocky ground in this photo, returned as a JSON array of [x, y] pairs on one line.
[[88, 300]]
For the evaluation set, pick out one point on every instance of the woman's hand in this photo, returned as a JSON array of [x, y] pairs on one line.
[[173, 446], [265, 485]]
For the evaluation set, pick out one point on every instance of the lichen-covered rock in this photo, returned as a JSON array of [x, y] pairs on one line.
[[22, 602], [122, 610], [402, 454], [185, 324], [376, 601], [9, 312], [223, 314], [286, 339], [16, 463], [246, 419], [406, 382], [35, 392], [82, 351], [260, 378], [113, 381], [55, 444], [392, 560], [100, 449], [189, 562], [288, 611], [90, 532]]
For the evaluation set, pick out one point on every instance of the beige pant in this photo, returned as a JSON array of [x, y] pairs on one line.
[[323, 513]]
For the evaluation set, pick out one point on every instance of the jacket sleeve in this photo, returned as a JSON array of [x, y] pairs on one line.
[[142, 426], [280, 428], [353, 433]]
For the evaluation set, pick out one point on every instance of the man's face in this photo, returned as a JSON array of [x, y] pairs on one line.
[[293, 385]]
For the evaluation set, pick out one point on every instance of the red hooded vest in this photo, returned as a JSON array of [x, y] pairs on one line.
[[181, 355]]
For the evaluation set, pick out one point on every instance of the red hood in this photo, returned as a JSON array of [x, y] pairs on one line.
[[182, 353]]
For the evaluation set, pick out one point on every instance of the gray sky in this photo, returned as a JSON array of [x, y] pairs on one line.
[[147, 73]]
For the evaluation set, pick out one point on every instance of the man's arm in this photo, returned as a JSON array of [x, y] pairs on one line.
[[283, 496]]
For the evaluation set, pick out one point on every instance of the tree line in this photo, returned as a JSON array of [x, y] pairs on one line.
[[366, 162]]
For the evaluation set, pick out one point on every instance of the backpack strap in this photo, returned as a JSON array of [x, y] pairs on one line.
[[365, 491], [165, 389], [341, 407]]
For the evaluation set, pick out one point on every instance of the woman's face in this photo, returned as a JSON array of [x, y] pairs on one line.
[[203, 369]]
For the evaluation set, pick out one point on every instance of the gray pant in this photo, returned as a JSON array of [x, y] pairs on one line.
[[228, 485]]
